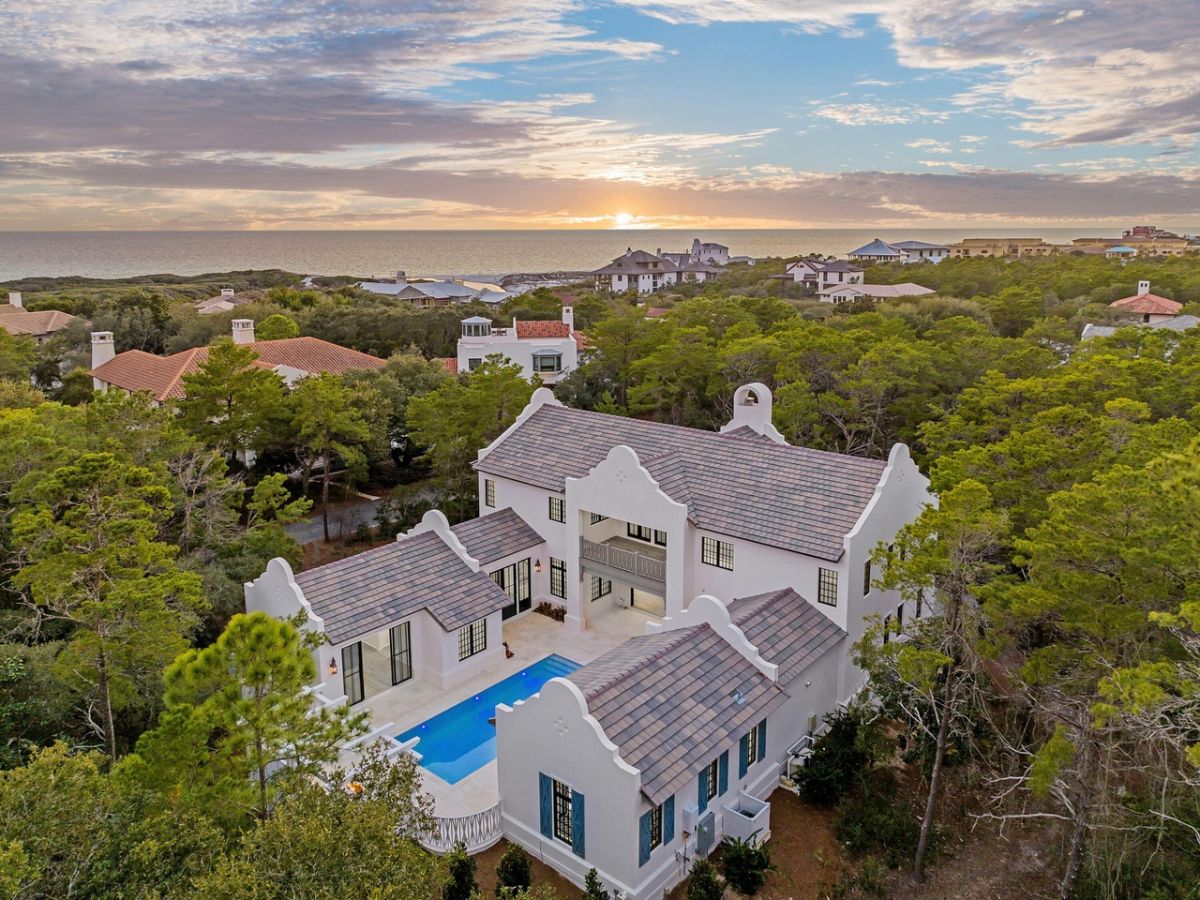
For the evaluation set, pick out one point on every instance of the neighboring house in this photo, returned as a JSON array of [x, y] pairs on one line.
[[840, 293], [162, 376], [743, 260], [818, 274], [1120, 252], [548, 349], [880, 251], [39, 325], [1003, 247], [1175, 323], [1142, 240], [638, 270], [425, 294], [227, 300], [657, 750], [1146, 310]]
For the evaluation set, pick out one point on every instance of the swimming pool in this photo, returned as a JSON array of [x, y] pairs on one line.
[[459, 740]]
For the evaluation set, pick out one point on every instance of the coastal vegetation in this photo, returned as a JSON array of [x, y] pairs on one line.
[[1057, 694]]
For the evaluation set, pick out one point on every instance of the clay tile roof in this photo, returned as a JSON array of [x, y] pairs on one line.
[[162, 376], [22, 321], [674, 701], [656, 312], [543, 329], [497, 535], [1147, 303], [787, 630], [449, 363]]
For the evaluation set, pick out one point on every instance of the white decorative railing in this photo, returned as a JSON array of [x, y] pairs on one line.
[[624, 560], [477, 831]]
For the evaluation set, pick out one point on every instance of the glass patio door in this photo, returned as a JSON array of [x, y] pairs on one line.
[[515, 581], [352, 673], [401, 639]]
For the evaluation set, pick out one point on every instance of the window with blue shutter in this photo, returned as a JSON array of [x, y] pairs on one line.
[[743, 755], [644, 838], [762, 740], [668, 817], [723, 778], [577, 846], [703, 790], [545, 803]]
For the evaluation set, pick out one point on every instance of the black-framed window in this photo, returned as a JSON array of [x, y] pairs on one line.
[[594, 518], [711, 778], [827, 586], [899, 617], [489, 493], [753, 750], [514, 580], [656, 819], [547, 362], [557, 509], [660, 538], [558, 578], [641, 532], [352, 673], [474, 362], [887, 628], [400, 637], [562, 812], [716, 553], [920, 602], [472, 639], [601, 587], [866, 578]]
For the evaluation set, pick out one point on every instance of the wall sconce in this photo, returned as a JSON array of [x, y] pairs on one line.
[[537, 566], [332, 666]]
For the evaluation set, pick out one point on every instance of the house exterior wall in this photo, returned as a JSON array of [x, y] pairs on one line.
[[519, 351]]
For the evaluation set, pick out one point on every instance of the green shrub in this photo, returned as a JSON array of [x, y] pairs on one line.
[[702, 883], [837, 761], [514, 872], [875, 820], [746, 865], [460, 884], [592, 888]]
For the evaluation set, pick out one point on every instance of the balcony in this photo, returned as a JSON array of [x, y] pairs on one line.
[[747, 818], [623, 556]]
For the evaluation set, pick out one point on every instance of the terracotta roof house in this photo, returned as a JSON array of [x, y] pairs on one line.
[[703, 591], [546, 348], [1150, 307], [39, 324], [162, 376]]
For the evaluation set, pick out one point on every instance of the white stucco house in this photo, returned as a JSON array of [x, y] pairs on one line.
[[818, 274], [711, 585], [547, 349], [644, 272], [840, 293]]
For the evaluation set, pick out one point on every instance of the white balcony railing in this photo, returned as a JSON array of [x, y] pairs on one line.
[[623, 560], [477, 832]]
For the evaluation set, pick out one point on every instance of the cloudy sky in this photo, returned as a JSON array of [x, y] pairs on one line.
[[177, 114]]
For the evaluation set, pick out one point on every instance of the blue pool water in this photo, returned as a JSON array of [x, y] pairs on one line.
[[459, 740]]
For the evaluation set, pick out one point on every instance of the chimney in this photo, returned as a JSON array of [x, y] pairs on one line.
[[243, 331], [1143, 287], [401, 278], [14, 299], [226, 292], [103, 349], [569, 317]]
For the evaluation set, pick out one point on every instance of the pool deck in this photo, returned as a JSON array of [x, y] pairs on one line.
[[530, 637]]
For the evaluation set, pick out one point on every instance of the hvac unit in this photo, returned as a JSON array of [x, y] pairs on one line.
[[706, 832], [691, 813]]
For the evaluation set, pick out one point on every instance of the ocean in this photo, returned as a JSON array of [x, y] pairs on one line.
[[112, 254]]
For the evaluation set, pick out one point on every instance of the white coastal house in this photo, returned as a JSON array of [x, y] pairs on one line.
[[879, 251], [710, 584], [706, 252], [817, 274], [427, 293], [227, 300], [840, 293], [638, 270], [548, 349]]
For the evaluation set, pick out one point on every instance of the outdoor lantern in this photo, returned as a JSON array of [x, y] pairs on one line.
[[537, 566], [332, 666]]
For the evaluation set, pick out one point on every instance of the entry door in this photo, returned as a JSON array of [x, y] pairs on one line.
[[514, 580], [401, 636], [352, 673]]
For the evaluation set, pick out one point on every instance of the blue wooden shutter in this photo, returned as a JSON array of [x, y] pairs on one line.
[[743, 755], [644, 838], [723, 773], [547, 805], [577, 824], [762, 739], [703, 790], [668, 820]]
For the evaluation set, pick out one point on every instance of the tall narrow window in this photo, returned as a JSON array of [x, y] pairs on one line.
[[660, 538], [352, 673], [716, 553], [562, 812], [489, 493], [557, 509], [920, 601], [558, 578], [899, 618], [401, 640], [753, 752], [712, 778], [656, 831], [827, 587], [866, 578], [472, 639]]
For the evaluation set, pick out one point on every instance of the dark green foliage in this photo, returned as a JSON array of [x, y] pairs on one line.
[[460, 870], [746, 865], [514, 872], [837, 761], [593, 889], [702, 883], [877, 819]]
